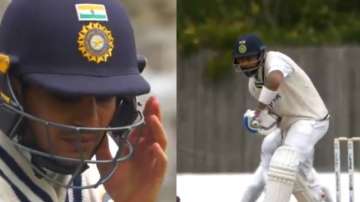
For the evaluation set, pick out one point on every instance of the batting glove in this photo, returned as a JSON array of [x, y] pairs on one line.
[[249, 121]]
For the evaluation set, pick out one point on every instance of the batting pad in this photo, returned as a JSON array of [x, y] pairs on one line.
[[282, 175], [302, 192]]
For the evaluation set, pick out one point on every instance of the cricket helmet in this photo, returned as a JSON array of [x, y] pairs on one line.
[[72, 48], [248, 46]]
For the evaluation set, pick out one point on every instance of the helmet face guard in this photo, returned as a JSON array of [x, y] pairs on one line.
[[248, 71], [119, 131]]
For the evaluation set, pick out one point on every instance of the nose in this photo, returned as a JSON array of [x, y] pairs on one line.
[[86, 112]]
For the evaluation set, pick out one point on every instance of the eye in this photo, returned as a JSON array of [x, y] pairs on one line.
[[103, 98], [65, 98]]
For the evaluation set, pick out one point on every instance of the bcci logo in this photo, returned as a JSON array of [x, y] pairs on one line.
[[96, 42], [242, 47]]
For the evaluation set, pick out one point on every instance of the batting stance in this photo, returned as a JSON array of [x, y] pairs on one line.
[[270, 143], [283, 88], [69, 82]]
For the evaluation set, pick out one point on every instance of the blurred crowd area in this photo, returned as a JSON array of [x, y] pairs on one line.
[[155, 29]]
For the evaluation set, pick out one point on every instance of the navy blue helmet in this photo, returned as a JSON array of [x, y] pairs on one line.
[[247, 46], [71, 48]]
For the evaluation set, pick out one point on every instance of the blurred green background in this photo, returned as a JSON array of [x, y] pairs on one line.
[[215, 24]]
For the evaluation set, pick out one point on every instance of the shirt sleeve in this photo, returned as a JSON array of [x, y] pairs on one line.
[[275, 62]]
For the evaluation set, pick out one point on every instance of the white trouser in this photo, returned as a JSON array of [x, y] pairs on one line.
[[256, 186], [303, 136], [313, 131]]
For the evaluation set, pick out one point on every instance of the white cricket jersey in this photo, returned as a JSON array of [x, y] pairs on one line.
[[19, 184], [297, 96]]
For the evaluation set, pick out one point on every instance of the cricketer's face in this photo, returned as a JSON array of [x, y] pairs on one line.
[[247, 62], [83, 111]]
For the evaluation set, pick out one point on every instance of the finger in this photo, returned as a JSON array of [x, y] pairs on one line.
[[103, 153], [160, 155], [160, 163], [156, 132], [151, 155], [152, 107], [136, 134]]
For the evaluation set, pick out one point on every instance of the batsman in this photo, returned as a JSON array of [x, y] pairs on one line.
[[283, 89]]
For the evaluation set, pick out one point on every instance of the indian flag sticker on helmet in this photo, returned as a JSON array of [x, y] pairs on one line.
[[91, 12]]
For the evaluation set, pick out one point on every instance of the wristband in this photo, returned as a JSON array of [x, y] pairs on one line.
[[267, 95]]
